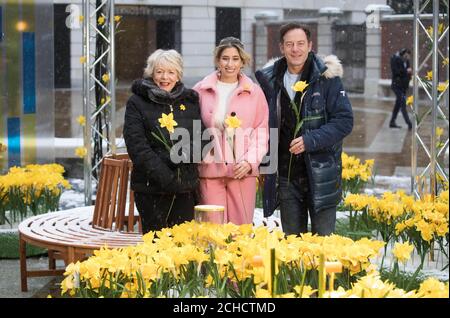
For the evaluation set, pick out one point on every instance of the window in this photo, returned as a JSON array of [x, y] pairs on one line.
[[228, 23], [144, 29], [61, 53]]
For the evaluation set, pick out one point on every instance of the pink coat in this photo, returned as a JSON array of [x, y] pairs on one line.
[[251, 140]]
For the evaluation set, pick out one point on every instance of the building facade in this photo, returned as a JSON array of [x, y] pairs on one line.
[[194, 27], [41, 46]]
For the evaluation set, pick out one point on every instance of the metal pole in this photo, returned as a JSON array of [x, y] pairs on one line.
[[99, 98], [434, 91], [415, 97], [112, 26], [86, 104]]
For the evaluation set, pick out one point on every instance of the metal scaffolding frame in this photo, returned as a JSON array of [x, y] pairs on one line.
[[426, 181], [99, 100]]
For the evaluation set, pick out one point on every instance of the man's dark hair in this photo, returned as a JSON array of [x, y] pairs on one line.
[[404, 51], [291, 26]]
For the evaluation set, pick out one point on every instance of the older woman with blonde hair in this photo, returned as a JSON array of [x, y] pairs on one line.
[[164, 182], [235, 111]]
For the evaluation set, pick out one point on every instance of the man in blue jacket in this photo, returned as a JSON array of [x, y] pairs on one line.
[[309, 159]]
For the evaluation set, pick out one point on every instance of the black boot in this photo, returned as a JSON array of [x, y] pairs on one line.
[[394, 125]]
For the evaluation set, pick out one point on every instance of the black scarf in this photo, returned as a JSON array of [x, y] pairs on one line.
[[159, 95]]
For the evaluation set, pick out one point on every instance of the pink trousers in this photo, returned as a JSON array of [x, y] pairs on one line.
[[237, 196]]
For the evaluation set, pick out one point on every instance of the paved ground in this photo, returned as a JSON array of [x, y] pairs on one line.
[[39, 287], [371, 139]]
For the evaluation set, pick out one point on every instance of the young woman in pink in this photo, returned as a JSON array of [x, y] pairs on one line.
[[235, 112]]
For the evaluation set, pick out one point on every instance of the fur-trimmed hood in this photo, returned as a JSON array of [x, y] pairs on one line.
[[333, 66]]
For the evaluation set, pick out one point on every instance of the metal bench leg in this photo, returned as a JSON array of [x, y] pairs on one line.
[[23, 264]]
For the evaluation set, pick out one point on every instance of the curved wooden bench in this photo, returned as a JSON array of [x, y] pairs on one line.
[[73, 235], [69, 233]]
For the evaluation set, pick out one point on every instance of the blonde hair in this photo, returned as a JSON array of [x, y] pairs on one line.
[[170, 58], [231, 42]]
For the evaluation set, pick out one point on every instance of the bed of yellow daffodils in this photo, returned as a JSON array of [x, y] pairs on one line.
[[31, 189], [355, 174], [397, 216], [203, 259]]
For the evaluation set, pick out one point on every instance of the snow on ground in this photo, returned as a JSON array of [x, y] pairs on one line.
[[74, 197], [384, 183]]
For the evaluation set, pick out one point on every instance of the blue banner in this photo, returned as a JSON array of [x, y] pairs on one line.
[[13, 141], [29, 76]]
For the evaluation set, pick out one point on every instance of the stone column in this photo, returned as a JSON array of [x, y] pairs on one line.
[[373, 49], [324, 45], [260, 53]]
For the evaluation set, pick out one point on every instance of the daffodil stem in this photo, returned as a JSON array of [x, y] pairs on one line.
[[170, 209], [289, 170], [331, 282], [322, 277], [382, 259], [419, 268], [231, 142], [303, 282], [272, 272]]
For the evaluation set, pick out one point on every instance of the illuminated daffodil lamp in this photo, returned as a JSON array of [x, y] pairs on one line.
[[327, 268], [332, 268], [209, 213]]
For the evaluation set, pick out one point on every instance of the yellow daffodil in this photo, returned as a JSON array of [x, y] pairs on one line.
[[439, 131], [80, 152], [81, 120], [81, 18], [410, 100], [233, 121], [168, 122], [440, 29], [445, 62], [442, 87], [178, 254], [182, 107], [306, 291], [429, 75], [432, 288], [117, 18], [262, 293], [101, 20], [83, 59], [105, 77], [402, 251], [300, 86]]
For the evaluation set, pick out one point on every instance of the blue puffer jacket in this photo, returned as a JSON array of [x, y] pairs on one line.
[[323, 137]]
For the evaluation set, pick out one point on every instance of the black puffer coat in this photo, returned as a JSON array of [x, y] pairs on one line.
[[399, 69], [153, 170], [323, 137]]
